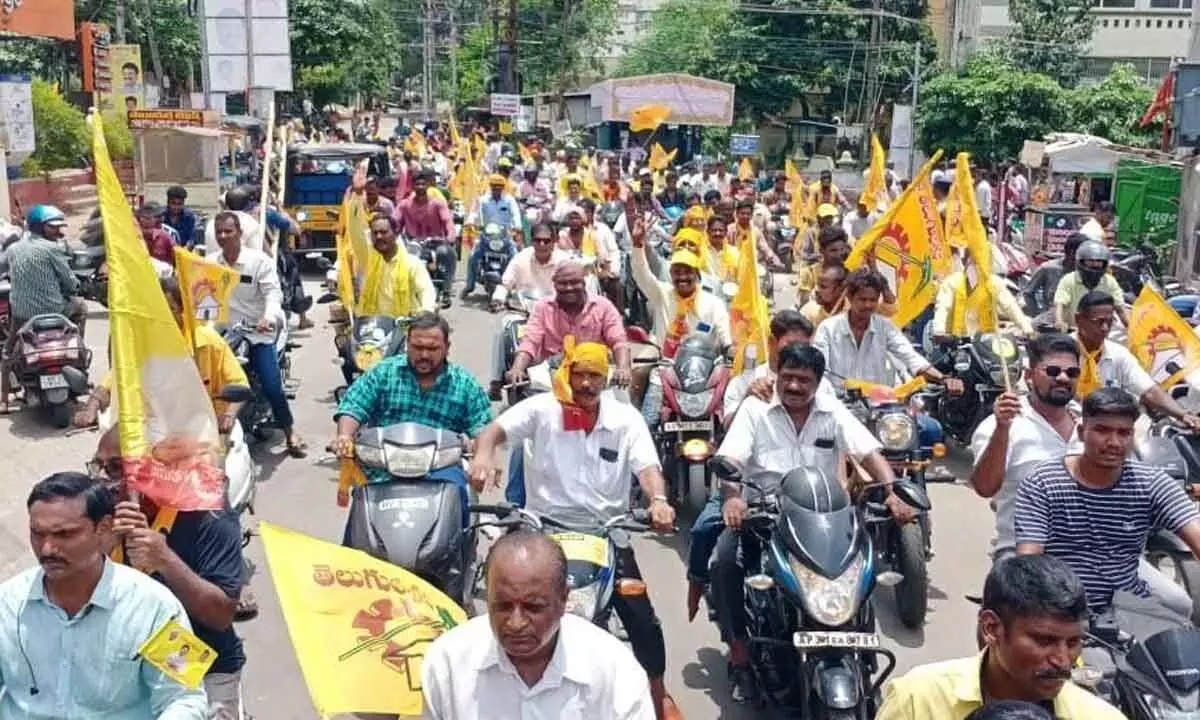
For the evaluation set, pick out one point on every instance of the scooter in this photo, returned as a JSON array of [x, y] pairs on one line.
[[373, 338], [692, 421], [416, 519], [46, 345], [255, 414], [812, 637], [591, 555], [784, 239]]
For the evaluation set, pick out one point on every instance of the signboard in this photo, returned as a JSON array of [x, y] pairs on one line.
[[248, 45], [1032, 153], [127, 91], [16, 117], [43, 18], [506, 105], [94, 48], [693, 100], [743, 144], [143, 119], [525, 119]]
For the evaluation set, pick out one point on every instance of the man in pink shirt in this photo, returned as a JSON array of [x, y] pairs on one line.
[[420, 216]]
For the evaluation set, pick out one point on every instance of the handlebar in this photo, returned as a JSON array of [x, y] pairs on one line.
[[635, 520]]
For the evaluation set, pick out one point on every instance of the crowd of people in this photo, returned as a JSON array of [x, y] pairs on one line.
[[1073, 509]]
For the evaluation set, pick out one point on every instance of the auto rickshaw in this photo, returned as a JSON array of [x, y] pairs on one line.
[[317, 178]]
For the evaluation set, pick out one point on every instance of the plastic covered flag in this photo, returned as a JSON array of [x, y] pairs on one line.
[[168, 430], [1163, 342], [179, 654]]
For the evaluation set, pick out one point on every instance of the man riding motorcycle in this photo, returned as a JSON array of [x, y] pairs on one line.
[[1091, 273], [587, 447], [954, 316], [500, 209], [421, 216], [41, 283]]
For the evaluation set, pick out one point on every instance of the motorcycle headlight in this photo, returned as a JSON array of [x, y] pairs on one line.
[[694, 404], [788, 233], [896, 431], [582, 601], [370, 455], [367, 357], [409, 461], [1164, 710], [301, 216], [496, 245], [830, 602]]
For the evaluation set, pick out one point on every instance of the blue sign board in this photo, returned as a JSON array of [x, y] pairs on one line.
[[743, 144]]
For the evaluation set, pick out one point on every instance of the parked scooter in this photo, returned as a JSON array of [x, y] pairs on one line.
[[416, 519], [45, 347], [813, 645]]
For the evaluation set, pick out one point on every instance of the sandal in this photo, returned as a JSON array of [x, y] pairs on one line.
[[296, 447]]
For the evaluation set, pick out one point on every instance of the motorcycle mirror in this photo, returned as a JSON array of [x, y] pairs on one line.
[[76, 380], [323, 263], [725, 469], [913, 495], [326, 298], [236, 394]]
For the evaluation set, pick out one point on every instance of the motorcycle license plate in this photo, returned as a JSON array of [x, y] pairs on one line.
[[805, 640], [52, 382], [688, 426], [584, 547]]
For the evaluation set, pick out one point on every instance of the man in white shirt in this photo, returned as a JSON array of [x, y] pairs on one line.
[[528, 657], [569, 201], [1022, 433], [1106, 363], [983, 196], [586, 448], [237, 200], [257, 303], [799, 428], [1096, 227], [679, 308], [858, 222]]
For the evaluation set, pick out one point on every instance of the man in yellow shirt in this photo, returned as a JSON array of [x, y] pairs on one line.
[[955, 317], [1032, 623]]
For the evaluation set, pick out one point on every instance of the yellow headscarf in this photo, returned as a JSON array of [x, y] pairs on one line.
[[588, 357], [697, 214]]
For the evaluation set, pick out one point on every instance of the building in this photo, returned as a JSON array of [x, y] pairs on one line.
[[633, 19], [1147, 34]]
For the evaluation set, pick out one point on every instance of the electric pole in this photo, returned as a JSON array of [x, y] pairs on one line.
[[453, 54], [427, 61], [120, 23], [506, 47], [916, 94]]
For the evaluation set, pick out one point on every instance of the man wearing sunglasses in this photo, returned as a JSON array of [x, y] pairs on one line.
[[1024, 432]]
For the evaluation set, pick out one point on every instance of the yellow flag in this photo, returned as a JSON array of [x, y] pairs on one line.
[[660, 159], [648, 117], [795, 181], [1163, 342], [749, 320], [455, 137], [969, 227], [206, 288], [526, 155], [745, 169], [415, 143], [875, 189], [179, 654], [359, 625], [908, 246], [166, 423]]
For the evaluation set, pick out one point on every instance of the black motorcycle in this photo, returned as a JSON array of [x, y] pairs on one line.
[[980, 363], [255, 415], [1176, 452], [1156, 678], [812, 638], [372, 339], [426, 249]]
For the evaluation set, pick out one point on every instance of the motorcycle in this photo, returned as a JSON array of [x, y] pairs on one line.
[[495, 257], [512, 327], [784, 239], [1150, 679], [414, 520], [813, 645], [591, 553], [46, 346], [1177, 452], [87, 265], [255, 414], [903, 549], [373, 338], [1138, 268], [428, 254], [692, 420], [980, 362]]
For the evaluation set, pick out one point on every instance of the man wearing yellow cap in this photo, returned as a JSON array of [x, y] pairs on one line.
[[585, 448], [500, 208], [678, 309]]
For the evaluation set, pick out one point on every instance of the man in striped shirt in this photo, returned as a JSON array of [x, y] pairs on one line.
[[1095, 511]]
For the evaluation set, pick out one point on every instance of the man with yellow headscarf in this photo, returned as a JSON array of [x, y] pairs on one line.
[[678, 309], [585, 448]]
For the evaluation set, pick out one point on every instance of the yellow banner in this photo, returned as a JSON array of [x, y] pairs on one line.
[[968, 227], [1163, 342], [908, 246], [166, 422], [178, 653], [745, 169], [660, 159], [875, 190], [359, 625]]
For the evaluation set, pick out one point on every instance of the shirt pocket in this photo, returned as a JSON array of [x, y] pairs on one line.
[[119, 684]]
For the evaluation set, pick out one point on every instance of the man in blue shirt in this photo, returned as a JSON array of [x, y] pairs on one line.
[[499, 208], [179, 217], [71, 629]]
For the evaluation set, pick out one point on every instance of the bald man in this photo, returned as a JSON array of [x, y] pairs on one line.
[[527, 657]]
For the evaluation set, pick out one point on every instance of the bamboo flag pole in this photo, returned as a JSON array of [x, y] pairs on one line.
[[268, 152]]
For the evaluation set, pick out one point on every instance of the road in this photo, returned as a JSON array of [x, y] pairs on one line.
[[299, 494]]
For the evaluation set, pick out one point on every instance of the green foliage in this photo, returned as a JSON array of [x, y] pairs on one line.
[[1112, 108], [117, 135], [987, 110], [31, 168], [1050, 37], [342, 48], [175, 30], [60, 128]]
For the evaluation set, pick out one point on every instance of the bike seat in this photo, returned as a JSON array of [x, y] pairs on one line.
[[42, 323]]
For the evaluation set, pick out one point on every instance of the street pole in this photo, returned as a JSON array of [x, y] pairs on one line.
[[204, 80], [120, 29], [453, 55], [427, 60], [916, 93], [1194, 45]]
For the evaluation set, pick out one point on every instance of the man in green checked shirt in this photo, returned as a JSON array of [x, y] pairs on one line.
[[419, 386]]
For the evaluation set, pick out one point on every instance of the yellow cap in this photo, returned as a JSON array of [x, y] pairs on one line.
[[496, 179], [686, 257], [826, 210]]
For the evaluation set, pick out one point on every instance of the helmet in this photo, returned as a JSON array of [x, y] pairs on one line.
[[1092, 250], [43, 214]]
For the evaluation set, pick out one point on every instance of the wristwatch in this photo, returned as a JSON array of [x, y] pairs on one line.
[[659, 498]]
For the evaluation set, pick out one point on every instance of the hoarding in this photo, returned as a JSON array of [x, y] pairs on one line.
[[42, 18]]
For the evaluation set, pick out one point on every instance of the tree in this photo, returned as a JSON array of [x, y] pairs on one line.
[[342, 48], [988, 110], [175, 30], [60, 128], [1112, 108], [1050, 37]]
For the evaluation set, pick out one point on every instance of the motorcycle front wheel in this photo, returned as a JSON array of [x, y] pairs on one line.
[[912, 599]]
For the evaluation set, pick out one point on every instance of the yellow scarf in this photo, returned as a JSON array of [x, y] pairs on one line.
[[727, 260], [369, 304], [958, 318], [1089, 377], [679, 325], [587, 246]]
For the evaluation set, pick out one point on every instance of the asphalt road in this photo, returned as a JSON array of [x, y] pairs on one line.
[[299, 494]]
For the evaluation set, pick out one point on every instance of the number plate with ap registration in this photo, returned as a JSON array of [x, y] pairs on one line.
[[688, 426], [806, 640]]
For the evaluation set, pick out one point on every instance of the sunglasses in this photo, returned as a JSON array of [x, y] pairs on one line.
[[1053, 371], [542, 241]]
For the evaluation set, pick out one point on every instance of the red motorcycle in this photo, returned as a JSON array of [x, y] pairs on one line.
[[691, 424], [48, 350]]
